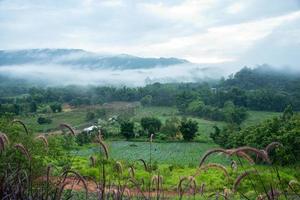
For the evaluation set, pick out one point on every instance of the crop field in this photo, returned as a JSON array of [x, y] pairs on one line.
[[173, 153]]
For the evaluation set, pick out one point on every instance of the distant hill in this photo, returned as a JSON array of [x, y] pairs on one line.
[[80, 58]]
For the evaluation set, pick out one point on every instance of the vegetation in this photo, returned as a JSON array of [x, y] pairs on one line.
[[185, 140], [188, 128]]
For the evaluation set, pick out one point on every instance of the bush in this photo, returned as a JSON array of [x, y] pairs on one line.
[[284, 129], [56, 107], [127, 129], [188, 128], [151, 124], [171, 127], [146, 100], [44, 120]]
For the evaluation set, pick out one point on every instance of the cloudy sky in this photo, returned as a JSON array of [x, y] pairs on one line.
[[202, 31]]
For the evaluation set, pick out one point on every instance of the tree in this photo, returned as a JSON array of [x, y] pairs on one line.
[[171, 127], [33, 107], [188, 128], [151, 124], [56, 107], [146, 100], [127, 129]]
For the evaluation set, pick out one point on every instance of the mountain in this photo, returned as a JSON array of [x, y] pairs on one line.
[[80, 58]]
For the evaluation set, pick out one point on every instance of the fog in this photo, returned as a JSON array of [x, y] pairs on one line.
[[65, 75]]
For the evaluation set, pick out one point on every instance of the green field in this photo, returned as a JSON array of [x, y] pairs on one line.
[[77, 118], [175, 153]]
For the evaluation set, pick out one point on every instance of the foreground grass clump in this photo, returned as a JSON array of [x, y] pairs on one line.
[[53, 167]]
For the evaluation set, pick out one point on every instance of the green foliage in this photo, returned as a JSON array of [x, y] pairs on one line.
[[284, 129], [85, 137], [151, 124], [188, 129], [146, 100], [44, 120], [127, 129], [171, 127], [56, 107], [90, 116]]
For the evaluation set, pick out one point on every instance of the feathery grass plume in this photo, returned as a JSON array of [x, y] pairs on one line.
[[193, 184], [61, 190], [272, 145], [151, 137], [136, 184], [119, 167], [63, 125], [227, 192], [80, 178], [216, 166], [293, 185], [104, 147], [202, 188], [2, 145], [23, 150], [131, 171], [209, 152], [233, 165], [4, 137], [43, 139], [157, 180], [245, 156], [93, 161], [239, 179], [144, 163], [179, 186], [22, 123], [261, 154], [127, 192]]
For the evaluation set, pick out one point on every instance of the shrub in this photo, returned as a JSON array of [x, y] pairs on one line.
[[127, 129], [44, 120], [151, 124], [188, 128]]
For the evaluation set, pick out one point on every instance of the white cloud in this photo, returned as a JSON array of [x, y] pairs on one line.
[[206, 31]]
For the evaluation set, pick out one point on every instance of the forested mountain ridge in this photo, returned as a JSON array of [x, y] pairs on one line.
[[81, 58]]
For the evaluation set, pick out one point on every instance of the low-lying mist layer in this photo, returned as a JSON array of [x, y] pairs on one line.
[[66, 74]]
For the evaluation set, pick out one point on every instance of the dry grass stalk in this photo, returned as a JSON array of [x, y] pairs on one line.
[[2, 144], [144, 163], [245, 156], [259, 153], [239, 179], [4, 137], [63, 125], [234, 165], [131, 171], [202, 188], [23, 150], [272, 145], [104, 147], [93, 161], [179, 186], [208, 153], [119, 167], [22, 123], [80, 179], [151, 138], [158, 181], [43, 139]]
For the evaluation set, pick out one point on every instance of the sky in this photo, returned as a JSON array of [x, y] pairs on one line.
[[243, 32]]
